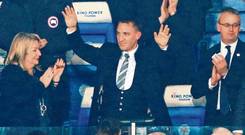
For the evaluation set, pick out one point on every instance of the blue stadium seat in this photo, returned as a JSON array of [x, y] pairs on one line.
[[182, 108], [237, 4], [211, 21], [216, 5], [97, 32]]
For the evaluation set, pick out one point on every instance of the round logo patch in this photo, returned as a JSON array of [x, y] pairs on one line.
[[53, 22]]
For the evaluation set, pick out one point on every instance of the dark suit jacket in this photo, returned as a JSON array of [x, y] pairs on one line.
[[145, 92], [20, 94], [239, 117], [231, 83]]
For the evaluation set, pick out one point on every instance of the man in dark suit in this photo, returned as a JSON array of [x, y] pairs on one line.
[[127, 74], [188, 19], [221, 70]]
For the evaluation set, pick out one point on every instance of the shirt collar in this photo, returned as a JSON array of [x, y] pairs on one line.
[[131, 52], [233, 47]]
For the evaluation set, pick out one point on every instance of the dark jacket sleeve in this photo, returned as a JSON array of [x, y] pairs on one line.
[[200, 81], [154, 92], [154, 86], [83, 50]]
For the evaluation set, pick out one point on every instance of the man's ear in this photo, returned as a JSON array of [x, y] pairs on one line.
[[138, 35], [218, 27]]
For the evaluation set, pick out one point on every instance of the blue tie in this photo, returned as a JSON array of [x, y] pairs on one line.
[[228, 55], [224, 102]]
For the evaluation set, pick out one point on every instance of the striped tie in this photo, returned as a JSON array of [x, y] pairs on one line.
[[122, 74]]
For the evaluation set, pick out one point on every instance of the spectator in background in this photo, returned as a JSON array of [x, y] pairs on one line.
[[109, 127], [20, 90], [44, 18], [220, 72], [221, 131]]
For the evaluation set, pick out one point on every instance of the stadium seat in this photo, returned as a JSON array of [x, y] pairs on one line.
[[94, 19], [211, 20], [182, 107], [237, 4]]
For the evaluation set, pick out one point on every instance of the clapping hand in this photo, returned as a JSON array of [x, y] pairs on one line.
[[220, 64], [58, 70], [46, 78], [215, 76], [53, 73]]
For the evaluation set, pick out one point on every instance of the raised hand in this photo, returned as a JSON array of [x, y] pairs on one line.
[[70, 17], [172, 8], [162, 37], [164, 11], [42, 41], [58, 70], [47, 77]]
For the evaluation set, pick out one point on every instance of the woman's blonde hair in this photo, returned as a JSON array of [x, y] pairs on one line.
[[19, 47]]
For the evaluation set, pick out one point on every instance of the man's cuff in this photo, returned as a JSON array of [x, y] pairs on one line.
[[238, 131], [165, 48], [70, 30]]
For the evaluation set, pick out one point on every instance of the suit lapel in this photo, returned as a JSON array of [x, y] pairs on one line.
[[114, 63]]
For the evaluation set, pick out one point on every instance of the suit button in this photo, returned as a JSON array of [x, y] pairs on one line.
[[120, 109], [122, 92], [121, 97], [121, 103]]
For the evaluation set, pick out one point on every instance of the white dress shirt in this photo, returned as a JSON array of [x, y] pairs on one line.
[[131, 68]]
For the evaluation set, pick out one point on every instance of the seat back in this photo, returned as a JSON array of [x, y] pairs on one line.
[[95, 25], [182, 107]]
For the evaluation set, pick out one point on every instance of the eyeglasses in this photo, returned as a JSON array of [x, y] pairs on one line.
[[227, 25]]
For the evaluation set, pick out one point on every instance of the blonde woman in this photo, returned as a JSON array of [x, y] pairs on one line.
[[20, 89]]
